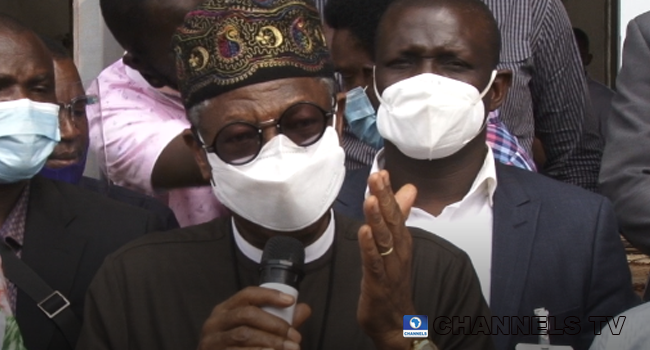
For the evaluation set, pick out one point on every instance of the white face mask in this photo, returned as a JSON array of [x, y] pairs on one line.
[[287, 187], [429, 116]]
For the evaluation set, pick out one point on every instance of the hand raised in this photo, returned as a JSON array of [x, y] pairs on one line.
[[240, 323], [386, 254]]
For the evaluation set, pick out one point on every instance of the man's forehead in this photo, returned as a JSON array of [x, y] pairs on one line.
[[346, 36], [24, 45], [416, 17], [447, 25], [24, 54], [345, 46], [278, 92], [67, 77], [265, 99]]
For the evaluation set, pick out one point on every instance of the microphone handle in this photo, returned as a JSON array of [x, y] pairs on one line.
[[283, 313]]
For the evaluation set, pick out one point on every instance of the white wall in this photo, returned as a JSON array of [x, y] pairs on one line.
[[630, 9], [94, 50], [95, 47]]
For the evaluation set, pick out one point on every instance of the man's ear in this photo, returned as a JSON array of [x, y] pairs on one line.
[[499, 89], [341, 98], [192, 141], [588, 59]]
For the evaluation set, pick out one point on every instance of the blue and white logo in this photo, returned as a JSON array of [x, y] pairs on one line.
[[416, 326]]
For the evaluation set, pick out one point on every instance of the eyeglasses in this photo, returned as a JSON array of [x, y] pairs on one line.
[[240, 142], [76, 108]]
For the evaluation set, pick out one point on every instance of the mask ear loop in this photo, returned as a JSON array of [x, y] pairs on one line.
[[485, 121], [198, 136], [489, 85], [334, 113], [374, 85]]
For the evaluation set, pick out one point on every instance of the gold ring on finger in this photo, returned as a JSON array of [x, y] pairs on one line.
[[387, 252]]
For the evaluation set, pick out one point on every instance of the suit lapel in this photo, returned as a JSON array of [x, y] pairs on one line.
[[51, 251], [515, 226], [352, 194]]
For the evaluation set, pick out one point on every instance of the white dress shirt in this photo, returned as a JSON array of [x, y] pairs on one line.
[[466, 224], [312, 251]]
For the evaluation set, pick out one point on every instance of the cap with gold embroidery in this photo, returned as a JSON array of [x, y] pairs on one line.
[[227, 44]]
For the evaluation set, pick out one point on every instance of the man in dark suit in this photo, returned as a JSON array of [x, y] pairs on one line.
[[58, 231], [68, 161], [536, 243], [625, 172]]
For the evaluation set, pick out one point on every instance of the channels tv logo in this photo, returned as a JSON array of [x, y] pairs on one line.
[[416, 326]]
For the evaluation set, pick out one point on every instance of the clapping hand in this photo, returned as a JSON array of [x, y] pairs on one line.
[[386, 254]]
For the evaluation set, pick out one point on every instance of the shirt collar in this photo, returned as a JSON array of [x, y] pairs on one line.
[[486, 175], [14, 226], [313, 251]]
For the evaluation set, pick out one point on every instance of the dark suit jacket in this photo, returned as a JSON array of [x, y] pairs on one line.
[[555, 246], [124, 195], [625, 171], [68, 233]]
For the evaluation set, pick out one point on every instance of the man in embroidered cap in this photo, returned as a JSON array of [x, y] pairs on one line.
[[256, 80]]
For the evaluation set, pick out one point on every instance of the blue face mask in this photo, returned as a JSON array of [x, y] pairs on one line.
[[361, 117], [29, 131]]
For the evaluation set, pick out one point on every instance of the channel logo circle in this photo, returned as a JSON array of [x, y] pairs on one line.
[[415, 322]]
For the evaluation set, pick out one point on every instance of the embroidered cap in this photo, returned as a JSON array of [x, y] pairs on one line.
[[227, 44]]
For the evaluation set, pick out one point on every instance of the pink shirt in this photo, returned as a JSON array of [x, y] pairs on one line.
[[129, 130]]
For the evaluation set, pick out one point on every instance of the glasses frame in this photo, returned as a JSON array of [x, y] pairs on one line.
[[93, 99], [264, 125]]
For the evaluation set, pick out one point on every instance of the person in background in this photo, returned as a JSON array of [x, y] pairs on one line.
[[538, 43], [57, 231], [68, 160], [625, 175], [548, 97], [353, 42], [358, 153], [138, 129], [535, 242], [627, 331], [257, 83], [601, 95]]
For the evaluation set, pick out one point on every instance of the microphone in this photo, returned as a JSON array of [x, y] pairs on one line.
[[282, 262]]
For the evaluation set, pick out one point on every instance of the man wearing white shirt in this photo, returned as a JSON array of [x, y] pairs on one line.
[[466, 223], [535, 242]]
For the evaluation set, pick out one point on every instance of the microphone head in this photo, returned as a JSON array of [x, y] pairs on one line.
[[284, 248]]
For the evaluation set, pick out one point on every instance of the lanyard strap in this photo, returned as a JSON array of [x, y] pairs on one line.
[[53, 304]]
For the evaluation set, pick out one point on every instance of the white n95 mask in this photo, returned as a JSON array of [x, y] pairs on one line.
[[29, 131], [287, 187], [429, 116]]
